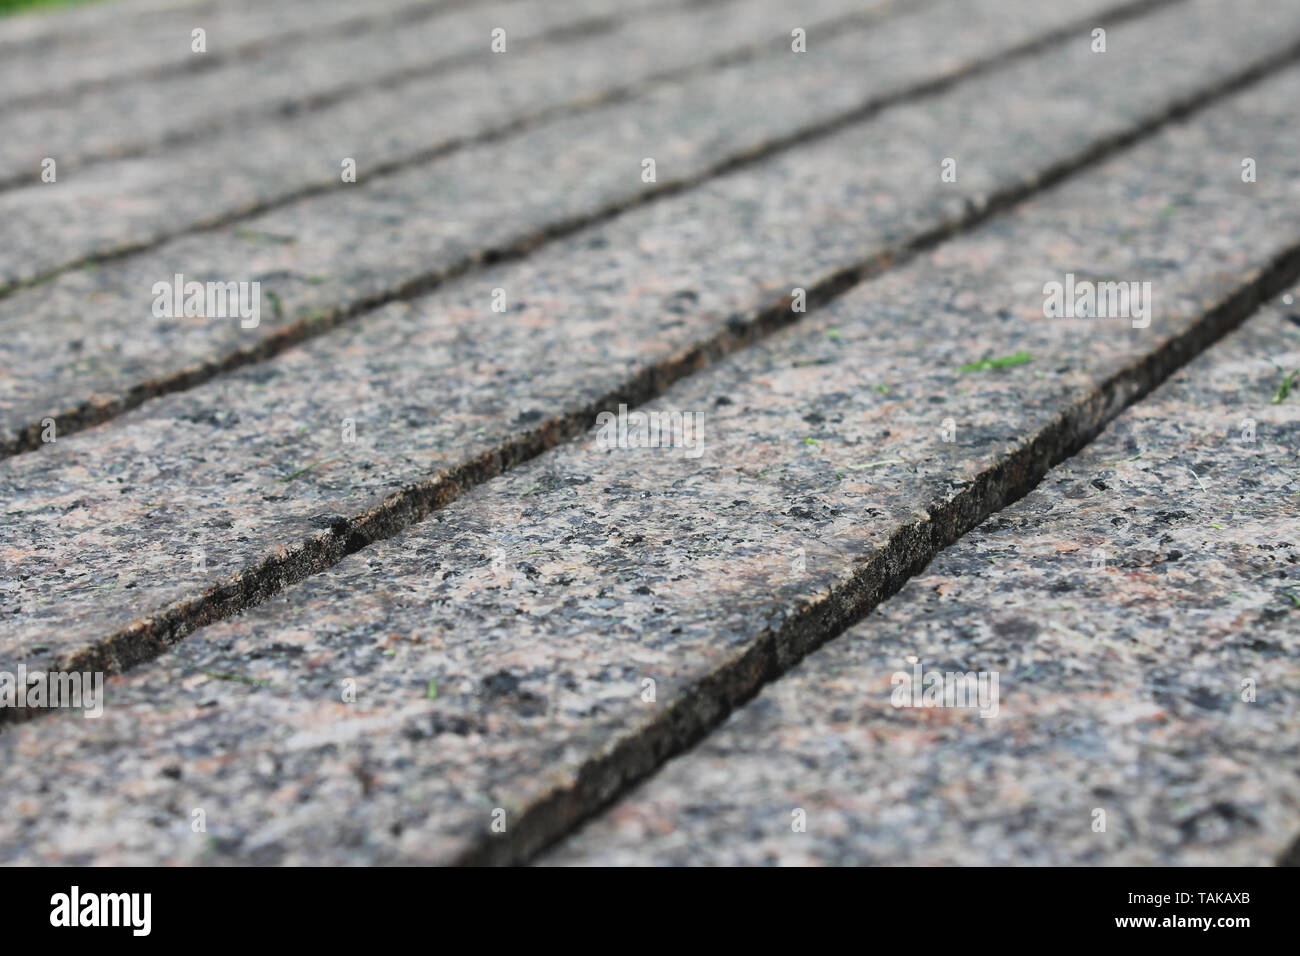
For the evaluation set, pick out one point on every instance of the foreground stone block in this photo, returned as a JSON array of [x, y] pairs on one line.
[[1139, 613]]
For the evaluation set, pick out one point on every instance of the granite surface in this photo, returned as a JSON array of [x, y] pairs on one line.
[[1141, 608], [489, 665], [274, 100], [255, 469], [85, 345]]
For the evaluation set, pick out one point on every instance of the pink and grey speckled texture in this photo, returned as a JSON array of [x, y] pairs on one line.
[[85, 345], [538, 603], [1122, 604], [445, 392], [427, 84]]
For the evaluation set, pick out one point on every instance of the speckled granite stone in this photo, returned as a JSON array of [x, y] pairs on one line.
[[1123, 604], [85, 345], [111, 49], [499, 650], [440, 66], [253, 468]]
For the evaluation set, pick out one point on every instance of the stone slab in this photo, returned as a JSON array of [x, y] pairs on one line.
[[1123, 604], [254, 471], [387, 80], [85, 346], [498, 650]]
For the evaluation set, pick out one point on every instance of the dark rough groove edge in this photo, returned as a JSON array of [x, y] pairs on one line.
[[152, 635], [575, 31], [252, 50], [88, 414], [709, 700]]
